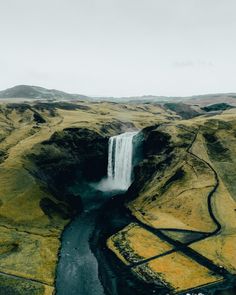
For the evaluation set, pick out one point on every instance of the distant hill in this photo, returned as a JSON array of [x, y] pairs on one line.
[[201, 100], [40, 93], [36, 92]]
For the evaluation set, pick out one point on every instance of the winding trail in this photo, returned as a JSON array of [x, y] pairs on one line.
[[26, 279], [209, 198], [183, 247]]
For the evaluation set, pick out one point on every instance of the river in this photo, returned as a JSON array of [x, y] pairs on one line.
[[77, 271]]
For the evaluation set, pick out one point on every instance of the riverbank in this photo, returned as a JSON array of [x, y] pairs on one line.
[[116, 278]]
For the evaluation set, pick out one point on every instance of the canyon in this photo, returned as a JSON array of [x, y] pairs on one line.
[[133, 198]]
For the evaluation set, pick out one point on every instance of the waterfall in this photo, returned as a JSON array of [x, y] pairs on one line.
[[120, 154]]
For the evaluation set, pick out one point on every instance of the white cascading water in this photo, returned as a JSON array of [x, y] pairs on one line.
[[120, 154]]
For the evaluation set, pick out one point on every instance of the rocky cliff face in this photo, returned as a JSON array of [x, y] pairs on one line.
[[73, 154]]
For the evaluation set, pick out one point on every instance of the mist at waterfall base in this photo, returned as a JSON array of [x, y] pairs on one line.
[[120, 158]]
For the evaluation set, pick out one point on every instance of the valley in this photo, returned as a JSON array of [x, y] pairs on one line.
[[171, 231]]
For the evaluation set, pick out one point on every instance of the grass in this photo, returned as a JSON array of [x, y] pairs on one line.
[[175, 197], [29, 240], [172, 196], [131, 250], [178, 272], [15, 286]]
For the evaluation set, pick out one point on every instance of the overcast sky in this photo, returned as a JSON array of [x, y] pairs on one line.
[[119, 47]]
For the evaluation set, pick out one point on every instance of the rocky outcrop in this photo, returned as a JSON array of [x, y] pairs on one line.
[[217, 107], [73, 154], [185, 111]]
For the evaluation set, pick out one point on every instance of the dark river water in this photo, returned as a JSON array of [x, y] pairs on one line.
[[77, 272]]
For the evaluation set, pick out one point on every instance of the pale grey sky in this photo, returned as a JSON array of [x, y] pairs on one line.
[[119, 47]]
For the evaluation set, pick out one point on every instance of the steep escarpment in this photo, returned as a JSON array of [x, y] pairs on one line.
[[183, 206], [73, 154]]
